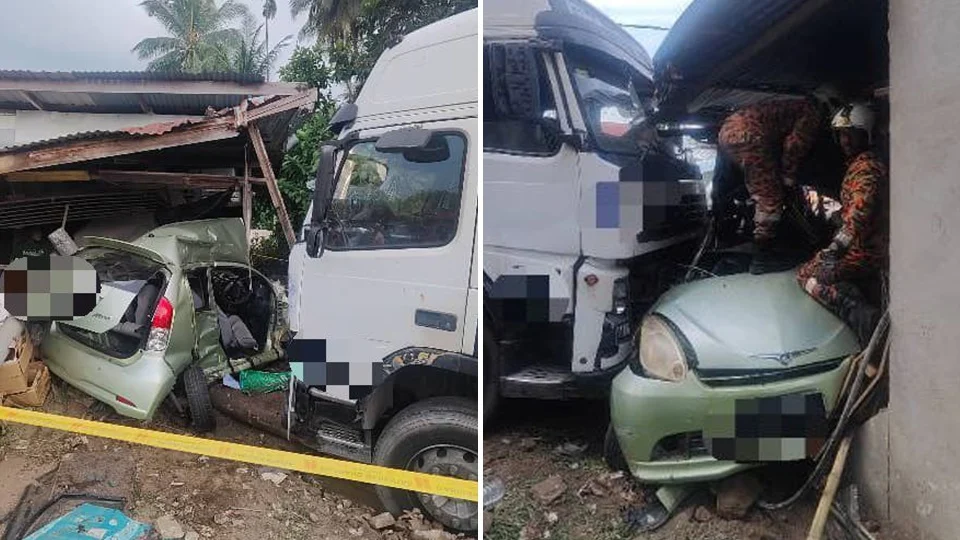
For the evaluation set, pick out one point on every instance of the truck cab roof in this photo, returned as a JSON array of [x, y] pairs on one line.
[[431, 69], [573, 22]]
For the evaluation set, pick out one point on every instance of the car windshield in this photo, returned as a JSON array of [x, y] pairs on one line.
[[608, 100]]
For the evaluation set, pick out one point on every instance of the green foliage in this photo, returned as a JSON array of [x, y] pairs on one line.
[[203, 37], [356, 32], [299, 166]]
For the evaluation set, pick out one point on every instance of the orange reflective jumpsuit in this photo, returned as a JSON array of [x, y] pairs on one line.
[[859, 247], [768, 141]]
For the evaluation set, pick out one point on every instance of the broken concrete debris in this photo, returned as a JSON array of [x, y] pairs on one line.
[[274, 476], [549, 490], [382, 521], [169, 528], [736, 494]]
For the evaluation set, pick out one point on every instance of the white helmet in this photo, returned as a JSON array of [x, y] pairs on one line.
[[828, 95], [855, 115]]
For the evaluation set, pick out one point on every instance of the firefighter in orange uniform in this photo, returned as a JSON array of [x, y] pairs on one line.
[[768, 141], [858, 249]]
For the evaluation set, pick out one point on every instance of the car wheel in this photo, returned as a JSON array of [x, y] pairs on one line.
[[202, 418], [612, 453], [491, 374], [433, 436]]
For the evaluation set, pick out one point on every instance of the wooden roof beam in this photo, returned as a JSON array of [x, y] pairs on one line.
[[205, 181]]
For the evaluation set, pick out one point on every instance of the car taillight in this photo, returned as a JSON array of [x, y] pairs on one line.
[[159, 336]]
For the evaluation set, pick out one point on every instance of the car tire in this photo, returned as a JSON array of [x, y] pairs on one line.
[[491, 374], [418, 428], [202, 418], [612, 453]]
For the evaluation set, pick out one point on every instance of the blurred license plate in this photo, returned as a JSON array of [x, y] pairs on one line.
[[779, 428]]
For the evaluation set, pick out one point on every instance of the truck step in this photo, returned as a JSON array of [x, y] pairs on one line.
[[537, 381], [343, 441]]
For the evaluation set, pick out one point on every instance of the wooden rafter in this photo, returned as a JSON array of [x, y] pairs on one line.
[[89, 150], [204, 181], [275, 196]]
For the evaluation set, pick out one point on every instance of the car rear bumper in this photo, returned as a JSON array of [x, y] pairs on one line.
[[144, 382], [645, 412]]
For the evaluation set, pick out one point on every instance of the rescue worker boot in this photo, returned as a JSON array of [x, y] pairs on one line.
[[859, 315]]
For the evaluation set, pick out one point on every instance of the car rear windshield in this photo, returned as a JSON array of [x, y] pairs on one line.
[[135, 274]]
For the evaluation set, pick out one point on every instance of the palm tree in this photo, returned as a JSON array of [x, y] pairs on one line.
[[249, 55], [328, 20], [269, 12], [199, 31]]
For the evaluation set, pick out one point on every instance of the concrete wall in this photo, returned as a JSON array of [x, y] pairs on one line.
[[924, 414], [32, 126]]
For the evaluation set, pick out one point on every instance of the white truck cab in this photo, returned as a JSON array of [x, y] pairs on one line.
[[383, 286], [585, 203]]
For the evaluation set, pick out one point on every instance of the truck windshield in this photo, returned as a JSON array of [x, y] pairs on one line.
[[391, 200], [608, 100]]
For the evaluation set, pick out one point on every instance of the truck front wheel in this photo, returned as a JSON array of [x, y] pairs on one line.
[[433, 436]]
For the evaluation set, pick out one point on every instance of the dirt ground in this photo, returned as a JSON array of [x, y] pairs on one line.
[[526, 446], [210, 497]]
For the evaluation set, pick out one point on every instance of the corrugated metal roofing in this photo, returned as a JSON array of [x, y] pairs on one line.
[[130, 91], [720, 48]]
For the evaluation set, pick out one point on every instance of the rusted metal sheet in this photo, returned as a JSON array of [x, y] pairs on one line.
[[91, 146]]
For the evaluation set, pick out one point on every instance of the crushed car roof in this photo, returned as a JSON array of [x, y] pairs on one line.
[[189, 242]]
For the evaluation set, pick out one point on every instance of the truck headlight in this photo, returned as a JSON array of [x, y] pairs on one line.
[[661, 354]]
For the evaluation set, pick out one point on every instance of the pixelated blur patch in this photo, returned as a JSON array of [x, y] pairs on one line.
[[340, 379], [525, 299], [49, 288], [620, 205], [778, 428]]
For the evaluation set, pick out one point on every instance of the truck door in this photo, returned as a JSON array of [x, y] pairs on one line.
[[531, 193], [395, 269]]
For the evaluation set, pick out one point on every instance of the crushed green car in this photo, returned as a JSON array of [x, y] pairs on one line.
[[731, 371], [179, 307]]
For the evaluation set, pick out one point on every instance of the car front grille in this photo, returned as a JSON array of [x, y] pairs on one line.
[[738, 377]]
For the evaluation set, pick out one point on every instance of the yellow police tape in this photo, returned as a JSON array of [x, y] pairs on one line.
[[334, 468]]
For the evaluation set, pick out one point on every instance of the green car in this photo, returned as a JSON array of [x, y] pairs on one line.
[[179, 307], [731, 371]]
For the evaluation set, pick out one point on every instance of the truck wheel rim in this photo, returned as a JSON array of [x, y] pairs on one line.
[[455, 461]]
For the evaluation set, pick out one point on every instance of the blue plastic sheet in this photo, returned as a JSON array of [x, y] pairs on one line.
[[89, 521]]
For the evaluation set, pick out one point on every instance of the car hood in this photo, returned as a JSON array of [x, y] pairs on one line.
[[747, 322]]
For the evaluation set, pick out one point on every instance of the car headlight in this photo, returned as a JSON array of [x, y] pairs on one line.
[[661, 354]]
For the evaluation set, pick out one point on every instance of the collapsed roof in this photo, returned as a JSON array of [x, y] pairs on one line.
[[722, 54]]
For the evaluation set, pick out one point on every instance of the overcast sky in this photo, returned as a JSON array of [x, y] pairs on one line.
[[45, 35]]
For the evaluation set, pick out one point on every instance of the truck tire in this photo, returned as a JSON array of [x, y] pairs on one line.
[[434, 436], [202, 418], [491, 374]]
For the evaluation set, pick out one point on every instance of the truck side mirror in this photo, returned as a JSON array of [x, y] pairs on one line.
[[322, 191], [314, 238]]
